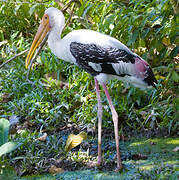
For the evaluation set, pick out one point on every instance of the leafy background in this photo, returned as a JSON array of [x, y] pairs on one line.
[[62, 99]]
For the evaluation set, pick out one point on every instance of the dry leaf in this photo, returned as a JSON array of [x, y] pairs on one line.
[[54, 170], [43, 137], [6, 97], [139, 157], [74, 140]]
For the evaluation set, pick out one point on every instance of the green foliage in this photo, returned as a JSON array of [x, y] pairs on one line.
[[7, 172], [148, 27], [4, 130], [161, 161], [18, 17], [5, 147]]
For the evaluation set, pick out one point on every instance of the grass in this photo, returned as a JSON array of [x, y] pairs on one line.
[[152, 158], [63, 101]]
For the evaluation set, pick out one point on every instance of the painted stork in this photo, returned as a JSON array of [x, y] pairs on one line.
[[102, 56]]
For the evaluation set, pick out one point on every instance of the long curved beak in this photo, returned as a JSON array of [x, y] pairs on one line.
[[42, 32]]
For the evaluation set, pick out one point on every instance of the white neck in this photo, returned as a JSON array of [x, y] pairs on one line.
[[54, 38], [55, 41], [59, 46]]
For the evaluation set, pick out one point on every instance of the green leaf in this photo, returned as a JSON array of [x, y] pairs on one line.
[[8, 147], [33, 8], [174, 51], [134, 37], [81, 9], [16, 9], [87, 9], [4, 130], [175, 76], [145, 32]]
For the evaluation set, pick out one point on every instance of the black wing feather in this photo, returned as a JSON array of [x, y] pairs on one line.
[[85, 53]]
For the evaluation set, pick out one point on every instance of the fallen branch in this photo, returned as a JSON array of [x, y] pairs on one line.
[[69, 19], [11, 59]]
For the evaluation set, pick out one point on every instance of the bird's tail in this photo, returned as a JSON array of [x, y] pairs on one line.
[[144, 71]]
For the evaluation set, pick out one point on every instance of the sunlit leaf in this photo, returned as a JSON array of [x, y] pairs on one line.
[[8, 147], [74, 140]]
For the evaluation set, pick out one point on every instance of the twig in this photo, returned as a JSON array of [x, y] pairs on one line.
[[69, 19], [9, 60], [66, 8]]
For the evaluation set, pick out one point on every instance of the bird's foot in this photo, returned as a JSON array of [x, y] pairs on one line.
[[99, 162], [95, 164], [119, 168], [92, 164]]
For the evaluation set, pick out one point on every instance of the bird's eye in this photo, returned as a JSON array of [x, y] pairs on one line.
[[45, 17]]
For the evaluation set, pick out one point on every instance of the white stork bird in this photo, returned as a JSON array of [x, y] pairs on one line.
[[102, 56]]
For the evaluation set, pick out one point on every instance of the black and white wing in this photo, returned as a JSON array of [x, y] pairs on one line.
[[96, 59]]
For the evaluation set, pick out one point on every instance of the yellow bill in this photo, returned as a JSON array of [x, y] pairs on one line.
[[42, 31]]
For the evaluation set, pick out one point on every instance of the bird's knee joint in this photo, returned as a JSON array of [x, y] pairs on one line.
[[115, 116]]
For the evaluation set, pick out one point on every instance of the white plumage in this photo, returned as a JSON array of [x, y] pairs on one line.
[[61, 48], [102, 56]]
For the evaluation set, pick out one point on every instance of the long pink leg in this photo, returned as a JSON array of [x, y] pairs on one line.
[[115, 120], [100, 112]]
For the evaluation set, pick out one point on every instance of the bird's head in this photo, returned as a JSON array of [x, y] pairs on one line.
[[53, 18]]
